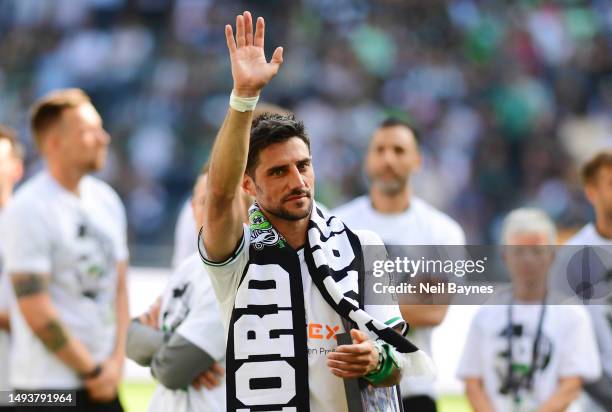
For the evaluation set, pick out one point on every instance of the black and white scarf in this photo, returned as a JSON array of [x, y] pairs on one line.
[[267, 359]]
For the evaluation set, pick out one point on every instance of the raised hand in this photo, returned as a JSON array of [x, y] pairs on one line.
[[250, 70]]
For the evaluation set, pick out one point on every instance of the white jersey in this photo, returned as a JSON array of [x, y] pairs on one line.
[[567, 348], [189, 307], [326, 391], [601, 315], [420, 224], [77, 242], [185, 235]]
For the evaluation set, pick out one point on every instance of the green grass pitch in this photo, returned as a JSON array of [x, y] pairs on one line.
[[135, 397]]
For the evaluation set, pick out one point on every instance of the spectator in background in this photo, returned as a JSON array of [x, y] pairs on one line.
[[527, 355], [400, 218], [11, 171], [597, 178], [66, 252], [507, 94]]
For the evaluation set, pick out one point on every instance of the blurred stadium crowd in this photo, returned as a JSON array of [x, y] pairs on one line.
[[508, 99]]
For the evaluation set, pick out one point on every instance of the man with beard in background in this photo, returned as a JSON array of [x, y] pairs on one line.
[[400, 218]]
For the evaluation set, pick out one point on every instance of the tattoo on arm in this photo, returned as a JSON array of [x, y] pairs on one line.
[[53, 336], [27, 285]]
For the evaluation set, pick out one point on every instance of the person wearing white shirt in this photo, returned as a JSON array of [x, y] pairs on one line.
[[65, 249], [597, 178], [400, 218], [528, 355], [289, 282], [185, 235], [11, 171], [181, 336]]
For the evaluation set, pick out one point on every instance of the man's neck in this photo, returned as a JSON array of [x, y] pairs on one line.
[[5, 195], [390, 203], [530, 292], [294, 231], [68, 179], [603, 226]]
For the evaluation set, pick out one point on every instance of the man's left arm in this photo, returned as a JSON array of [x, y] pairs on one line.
[[567, 391], [423, 315], [123, 320], [5, 322]]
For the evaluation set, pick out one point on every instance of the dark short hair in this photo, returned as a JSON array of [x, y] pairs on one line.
[[270, 128], [395, 121], [48, 110], [9, 134], [590, 168]]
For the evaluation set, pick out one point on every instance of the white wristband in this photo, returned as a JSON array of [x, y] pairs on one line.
[[243, 104]]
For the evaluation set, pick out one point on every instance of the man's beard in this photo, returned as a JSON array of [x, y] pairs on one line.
[[390, 187], [96, 164], [608, 212], [282, 212]]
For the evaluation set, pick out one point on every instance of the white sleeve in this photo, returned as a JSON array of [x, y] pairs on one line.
[[4, 292], [203, 326], [579, 355], [185, 235], [470, 364], [453, 234], [225, 276], [374, 249], [121, 247], [27, 241]]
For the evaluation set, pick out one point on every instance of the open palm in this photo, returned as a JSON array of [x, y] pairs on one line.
[[250, 70]]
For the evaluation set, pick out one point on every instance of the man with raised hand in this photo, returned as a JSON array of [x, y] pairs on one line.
[[66, 253], [11, 171], [293, 264]]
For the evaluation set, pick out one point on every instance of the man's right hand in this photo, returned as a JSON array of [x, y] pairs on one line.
[[103, 388], [151, 316], [250, 70], [210, 378]]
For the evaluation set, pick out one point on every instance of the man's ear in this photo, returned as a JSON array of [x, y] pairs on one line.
[[590, 192], [50, 141], [248, 184], [18, 171], [418, 161]]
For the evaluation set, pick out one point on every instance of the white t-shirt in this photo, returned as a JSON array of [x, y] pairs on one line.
[[326, 391], [185, 235], [567, 348], [420, 224], [77, 242], [189, 307], [601, 315]]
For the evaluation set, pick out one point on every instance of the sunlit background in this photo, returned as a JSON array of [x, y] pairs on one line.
[[509, 99]]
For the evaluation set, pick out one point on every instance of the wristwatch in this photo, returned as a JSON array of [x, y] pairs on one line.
[[381, 358], [93, 374]]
